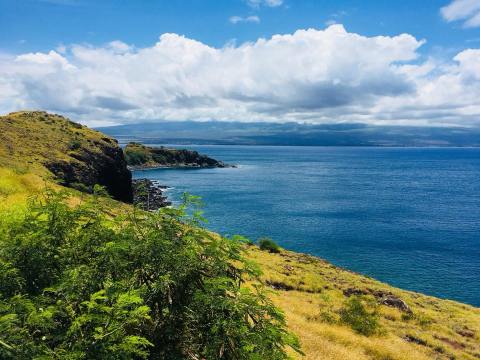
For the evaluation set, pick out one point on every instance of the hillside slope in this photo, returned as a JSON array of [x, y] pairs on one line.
[[314, 294], [51, 146]]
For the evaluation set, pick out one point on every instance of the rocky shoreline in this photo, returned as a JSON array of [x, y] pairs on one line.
[[149, 194], [141, 157], [178, 166]]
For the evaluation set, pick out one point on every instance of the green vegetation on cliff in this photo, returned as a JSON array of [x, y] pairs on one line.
[[84, 277], [142, 156]]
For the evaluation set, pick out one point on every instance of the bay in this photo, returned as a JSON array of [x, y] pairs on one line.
[[406, 216]]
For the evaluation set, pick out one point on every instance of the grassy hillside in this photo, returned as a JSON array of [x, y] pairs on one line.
[[313, 293], [29, 139], [52, 147], [336, 314]]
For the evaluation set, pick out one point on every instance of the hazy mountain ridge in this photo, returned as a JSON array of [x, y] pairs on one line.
[[257, 133]]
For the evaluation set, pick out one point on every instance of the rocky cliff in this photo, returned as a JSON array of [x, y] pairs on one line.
[[74, 155], [139, 156]]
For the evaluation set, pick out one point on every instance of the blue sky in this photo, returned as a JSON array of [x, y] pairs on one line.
[[38, 25], [319, 61]]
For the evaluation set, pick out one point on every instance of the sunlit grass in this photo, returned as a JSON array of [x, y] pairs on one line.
[[16, 188], [315, 298]]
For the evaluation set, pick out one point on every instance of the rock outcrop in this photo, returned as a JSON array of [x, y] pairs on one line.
[[139, 156], [87, 168], [148, 195], [383, 297]]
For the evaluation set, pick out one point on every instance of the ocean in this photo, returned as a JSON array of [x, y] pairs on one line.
[[406, 216]]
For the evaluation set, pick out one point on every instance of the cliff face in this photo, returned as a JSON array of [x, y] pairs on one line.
[[88, 168], [141, 156], [76, 156]]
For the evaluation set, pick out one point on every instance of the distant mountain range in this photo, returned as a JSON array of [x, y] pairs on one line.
[[259, 133]]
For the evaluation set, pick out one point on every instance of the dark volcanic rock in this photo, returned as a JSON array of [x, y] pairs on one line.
[[384, 298], [353, 291], [414, 339], [393, 301], [106, 167], [148, 195]]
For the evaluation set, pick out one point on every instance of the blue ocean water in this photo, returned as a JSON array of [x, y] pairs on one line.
[[406, 216]]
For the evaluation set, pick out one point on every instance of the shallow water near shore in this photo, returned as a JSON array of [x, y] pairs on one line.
[[406, 216]]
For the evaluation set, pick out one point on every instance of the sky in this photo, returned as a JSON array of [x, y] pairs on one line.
[[318, 61]]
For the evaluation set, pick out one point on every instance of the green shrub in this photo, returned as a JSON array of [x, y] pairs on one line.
[[74, 145], [268, 245], [80, 187], [78, 284], [135, 156], [361, 320], [327, 317]]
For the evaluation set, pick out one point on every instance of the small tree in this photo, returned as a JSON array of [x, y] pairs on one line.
[[268, 245]]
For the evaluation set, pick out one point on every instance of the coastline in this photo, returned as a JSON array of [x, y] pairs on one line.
[[149, 194], [356, 230], [179, 166]]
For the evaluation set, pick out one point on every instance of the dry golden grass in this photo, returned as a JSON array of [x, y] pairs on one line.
[[16, 188], [30, 138], [445, 329], [27, 141]]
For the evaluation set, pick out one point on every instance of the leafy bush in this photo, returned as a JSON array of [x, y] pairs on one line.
[[327, 317], [74, 145], [78, 284], [268, 245], [360, 319]]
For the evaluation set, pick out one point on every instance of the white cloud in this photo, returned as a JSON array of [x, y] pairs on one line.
[[119, 47], [311, 75], [268, 3], [465, 10], [247, 19]]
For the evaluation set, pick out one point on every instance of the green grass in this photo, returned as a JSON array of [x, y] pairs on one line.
[[140, 155]]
